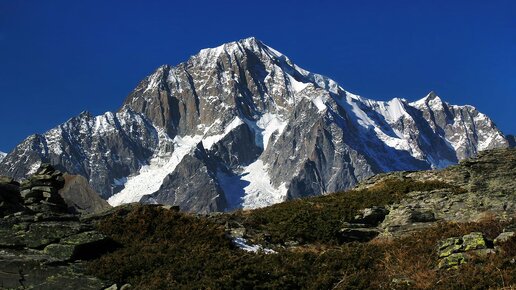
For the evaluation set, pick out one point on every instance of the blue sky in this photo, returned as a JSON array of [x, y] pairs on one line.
[[58, 58]]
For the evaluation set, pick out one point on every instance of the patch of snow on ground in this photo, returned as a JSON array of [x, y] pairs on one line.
[[150, 177], [2, 155], [242, 244]]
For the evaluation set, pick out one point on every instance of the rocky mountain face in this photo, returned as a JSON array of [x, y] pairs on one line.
[[2, 155], [241, 125], [512, 140]]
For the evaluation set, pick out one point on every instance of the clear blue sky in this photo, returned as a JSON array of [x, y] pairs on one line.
[[58, 58]]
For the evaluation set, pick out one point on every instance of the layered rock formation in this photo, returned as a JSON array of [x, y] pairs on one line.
[[42, 246], [241, 125], [479, 188]]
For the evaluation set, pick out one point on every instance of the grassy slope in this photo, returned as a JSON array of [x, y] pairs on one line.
[[163, 249]]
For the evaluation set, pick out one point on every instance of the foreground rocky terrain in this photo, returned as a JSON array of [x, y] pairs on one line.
[[440, 229], [242, 126], [43, 244]]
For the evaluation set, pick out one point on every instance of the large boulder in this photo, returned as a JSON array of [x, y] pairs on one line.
[[10, 198], [80, 196]]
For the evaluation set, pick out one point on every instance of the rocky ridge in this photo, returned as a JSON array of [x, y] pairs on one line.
[[241, 125], [42, 245], [479, 188]]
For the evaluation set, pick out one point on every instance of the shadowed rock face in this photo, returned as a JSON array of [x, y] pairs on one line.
[[80, 197], [512, 140], [270, 130]]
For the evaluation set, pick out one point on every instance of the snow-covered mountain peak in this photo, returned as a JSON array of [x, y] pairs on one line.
[[432, 100], [2, 155], [241, 125]]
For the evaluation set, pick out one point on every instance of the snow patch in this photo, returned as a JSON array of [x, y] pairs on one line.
[[243, 244], [393, 110], [33, 168], [319, 103], [297, 86], [2, 155], [209, 141], [150, 177], [260, 192], [251, 188]]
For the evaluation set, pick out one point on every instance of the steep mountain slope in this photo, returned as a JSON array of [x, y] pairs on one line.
[[241, 125], [2, 155], [512, 140]]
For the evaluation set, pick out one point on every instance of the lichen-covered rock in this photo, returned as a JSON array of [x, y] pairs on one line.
[[450, 246], [474, 241], [60, 251], [474, 188], [44, 233], [454, 251], [452, 261]]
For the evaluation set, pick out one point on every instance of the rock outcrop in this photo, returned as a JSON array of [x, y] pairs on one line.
[[42, 246], [80, 197], [364, 227], [478, 188], [455, 251]]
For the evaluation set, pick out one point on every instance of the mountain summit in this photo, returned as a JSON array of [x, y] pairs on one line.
[[241, 125]]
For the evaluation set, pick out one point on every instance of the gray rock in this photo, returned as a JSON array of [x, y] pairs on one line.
[[504, 237], [422, 216], [358, 234], [80, 197], [371, 216]]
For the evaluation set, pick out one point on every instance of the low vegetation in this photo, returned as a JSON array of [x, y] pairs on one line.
[[318, 219], [164, 249]]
